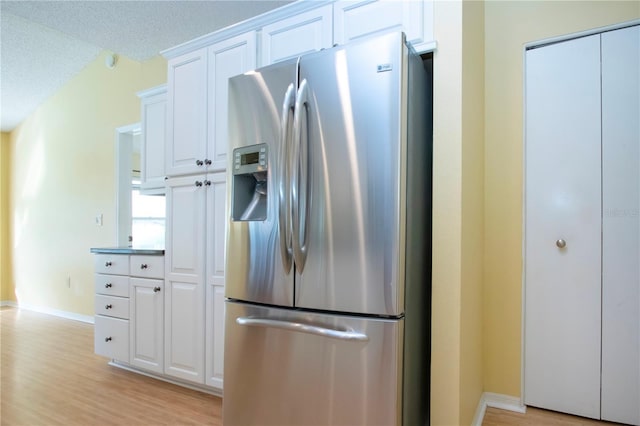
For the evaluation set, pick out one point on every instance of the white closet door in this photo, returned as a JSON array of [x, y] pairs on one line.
[[621, 225], [562, 202]]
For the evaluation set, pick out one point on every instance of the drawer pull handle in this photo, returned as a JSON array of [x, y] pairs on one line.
[[109, 306], [108, 339], [108, 285], [107, 264], [144, 266], [156, 289]]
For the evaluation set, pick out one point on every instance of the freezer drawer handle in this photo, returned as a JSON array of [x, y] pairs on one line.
[[303, 328]]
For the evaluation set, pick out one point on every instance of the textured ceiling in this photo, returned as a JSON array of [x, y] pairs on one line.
[[45, 43]]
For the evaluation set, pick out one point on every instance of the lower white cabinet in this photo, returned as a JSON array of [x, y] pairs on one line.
[[147, 326], [194, 297]]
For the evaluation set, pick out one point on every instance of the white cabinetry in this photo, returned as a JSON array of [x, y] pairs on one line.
[[215, 279], [186, 147], [582, 227], [195, 277], [154, 112], [197, 104], [147, 312], [226, 59], [303, 33], [353, 19], [111, 328]]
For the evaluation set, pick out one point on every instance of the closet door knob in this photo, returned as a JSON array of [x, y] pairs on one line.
[[156, 289], [561, 243]]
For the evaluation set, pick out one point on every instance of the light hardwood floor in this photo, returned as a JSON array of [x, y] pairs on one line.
[[536, 417], [50, 376]]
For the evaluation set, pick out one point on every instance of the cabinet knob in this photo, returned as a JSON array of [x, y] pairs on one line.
[[207, 183], [107, 339], [107, 264], [198, 183], [207, 161], [156, 289], [108, 285], [108, 306], [561, 243], [199, 162], [144, 266]]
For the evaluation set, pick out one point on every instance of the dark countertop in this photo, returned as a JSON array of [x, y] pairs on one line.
[[128, 250]]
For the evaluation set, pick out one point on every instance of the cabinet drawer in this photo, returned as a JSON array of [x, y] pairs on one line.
[[112, 285], [112, 306], [147, 266], [111, 264], [111, 337]]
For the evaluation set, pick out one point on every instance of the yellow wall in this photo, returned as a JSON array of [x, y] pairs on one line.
[[458, 241], [6, 281], [508, 26], [63, 175]]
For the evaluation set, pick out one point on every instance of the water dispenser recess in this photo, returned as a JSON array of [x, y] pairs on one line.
[[249, 186]]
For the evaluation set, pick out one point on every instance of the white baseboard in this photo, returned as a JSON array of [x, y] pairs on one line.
[[496, 400], [50, 311]]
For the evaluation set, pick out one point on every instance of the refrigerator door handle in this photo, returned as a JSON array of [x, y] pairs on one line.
[[303, 328], [284, 196], [300, 178]]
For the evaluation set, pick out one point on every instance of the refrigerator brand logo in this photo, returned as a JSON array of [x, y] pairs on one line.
[[384, 67]]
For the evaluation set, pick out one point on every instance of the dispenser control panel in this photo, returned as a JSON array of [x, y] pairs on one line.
[[250, 159]]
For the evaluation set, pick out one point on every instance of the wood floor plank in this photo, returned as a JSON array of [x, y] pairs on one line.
[[49, 375], [536, 417]]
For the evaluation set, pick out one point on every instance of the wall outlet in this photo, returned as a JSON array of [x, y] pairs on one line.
[[69, 281], [99, 220]]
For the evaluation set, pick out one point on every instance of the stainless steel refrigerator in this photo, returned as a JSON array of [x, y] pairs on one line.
[[328, 245]]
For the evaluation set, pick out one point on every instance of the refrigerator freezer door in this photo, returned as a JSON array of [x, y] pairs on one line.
[[285, 367], [348, 180], [256, 270]]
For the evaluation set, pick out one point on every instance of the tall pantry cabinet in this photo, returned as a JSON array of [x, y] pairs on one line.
[[196, 192], [582, 226]]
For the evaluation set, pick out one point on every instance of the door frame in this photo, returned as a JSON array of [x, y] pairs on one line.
[[124, 141]]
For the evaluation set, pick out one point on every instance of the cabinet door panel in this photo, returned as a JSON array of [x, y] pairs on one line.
[[185, 235], [562, 202], [360, 18], [147, 327], [186, 113], [216, 228], [215, 335], [300, 34], [621, 225], [226, 59], [184, 331], [154, 121]]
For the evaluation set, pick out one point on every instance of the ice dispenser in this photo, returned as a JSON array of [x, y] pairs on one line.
[[249, 187]]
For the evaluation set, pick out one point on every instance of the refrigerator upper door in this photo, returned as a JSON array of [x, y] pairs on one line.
[[348, 178], [259, 263], [287, 367]]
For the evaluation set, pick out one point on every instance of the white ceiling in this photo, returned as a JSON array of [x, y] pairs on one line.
[[45, 43]]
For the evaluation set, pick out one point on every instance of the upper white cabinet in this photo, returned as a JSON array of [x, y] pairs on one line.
[[154, 118], [353, 19], [302, 33], [225, 59], [186, 147], [582, 227], [197, 104]]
